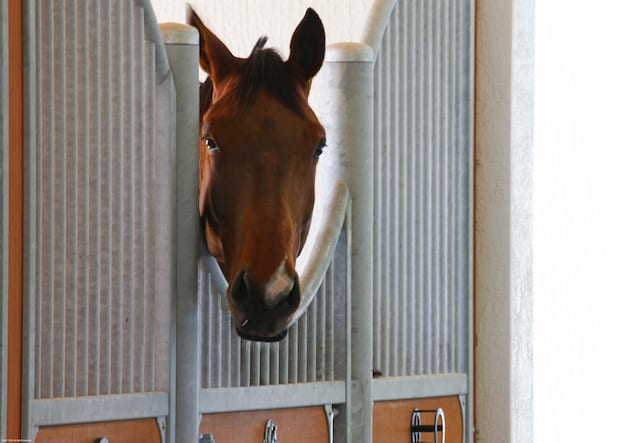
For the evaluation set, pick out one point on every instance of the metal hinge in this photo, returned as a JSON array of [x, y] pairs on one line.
[[270, 432]]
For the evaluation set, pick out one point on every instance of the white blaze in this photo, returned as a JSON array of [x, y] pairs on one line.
[[279, 283]]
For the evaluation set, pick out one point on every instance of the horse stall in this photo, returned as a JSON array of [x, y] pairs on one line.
[[127, 332]]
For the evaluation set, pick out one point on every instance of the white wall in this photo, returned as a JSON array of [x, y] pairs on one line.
[[587, 221], [503, 230], [239, 23]]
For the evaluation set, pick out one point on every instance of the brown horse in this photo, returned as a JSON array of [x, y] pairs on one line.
[[260, 146]]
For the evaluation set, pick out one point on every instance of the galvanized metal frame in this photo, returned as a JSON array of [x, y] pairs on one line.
[[347, 80], [272, 397], [183, 53], [461, 384], [153, 403]]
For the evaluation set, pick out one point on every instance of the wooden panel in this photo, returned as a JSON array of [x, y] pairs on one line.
[[16, 128], [133, 431], [392, 419], [299, 424]]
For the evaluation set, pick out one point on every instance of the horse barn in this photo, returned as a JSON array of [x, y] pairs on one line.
[[116, 321]]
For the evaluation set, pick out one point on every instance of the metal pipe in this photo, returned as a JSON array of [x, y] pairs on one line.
[[348, 75], [181, 42]]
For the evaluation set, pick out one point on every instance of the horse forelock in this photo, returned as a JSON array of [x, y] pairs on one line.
[[265, 70]]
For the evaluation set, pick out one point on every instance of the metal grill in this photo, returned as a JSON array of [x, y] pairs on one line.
[[99, 205], [421, 157], [313, 351]]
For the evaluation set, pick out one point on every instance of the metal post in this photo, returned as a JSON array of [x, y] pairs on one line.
[[346, 110], [181, 42]]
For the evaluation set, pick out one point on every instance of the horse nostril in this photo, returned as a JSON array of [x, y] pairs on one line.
[[294, 296], [241, 287]]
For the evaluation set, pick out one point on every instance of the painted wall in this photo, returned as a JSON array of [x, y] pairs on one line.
[[239, 23], [503, 231], [586, 221]]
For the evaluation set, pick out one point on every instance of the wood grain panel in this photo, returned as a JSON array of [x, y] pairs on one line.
[[392, 419], [132, 431], [16, 187], [307, 425]]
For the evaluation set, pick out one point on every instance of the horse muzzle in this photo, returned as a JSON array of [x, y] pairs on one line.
[[262, 313]]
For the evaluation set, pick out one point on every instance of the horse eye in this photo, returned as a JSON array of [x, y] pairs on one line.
[[211, 144], [318, 152]]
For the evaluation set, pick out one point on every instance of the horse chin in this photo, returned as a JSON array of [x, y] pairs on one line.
[[267, 339]]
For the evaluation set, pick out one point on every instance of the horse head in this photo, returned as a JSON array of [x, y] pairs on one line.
[[260, 143]]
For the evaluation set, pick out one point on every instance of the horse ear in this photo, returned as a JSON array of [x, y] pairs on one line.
[[215, 57], [307, 46]]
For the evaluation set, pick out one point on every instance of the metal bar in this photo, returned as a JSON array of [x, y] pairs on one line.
[[100, 408], [84, 150], [351, 67], [149, 136], [181, 43], [139, 310], [419, 386], [271, 397]]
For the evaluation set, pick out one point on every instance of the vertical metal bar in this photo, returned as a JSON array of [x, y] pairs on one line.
[[128, 276], [58, 253], [283, 363], [330, 323], [182, 51], [265, 364], [293, 354], [379, 222], [83, 201], [138, 271], [115, 199], [355, 80], [148, 215], [33, 179], [105, 222], [387, 292], [95, 251], [421, 147], [72, 203], [324, 329], [44, 370], [254, 361], [302, 349], [274, 360]]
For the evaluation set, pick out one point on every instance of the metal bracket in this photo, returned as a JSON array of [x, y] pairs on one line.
[[162, 427], [331, 414], [270, 432], [436, 428]]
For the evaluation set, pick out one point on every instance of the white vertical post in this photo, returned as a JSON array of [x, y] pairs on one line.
[[346, 110], [181, 43], [503, 230]]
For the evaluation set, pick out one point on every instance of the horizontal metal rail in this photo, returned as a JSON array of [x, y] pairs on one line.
[[271, 397], [99, 408]]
